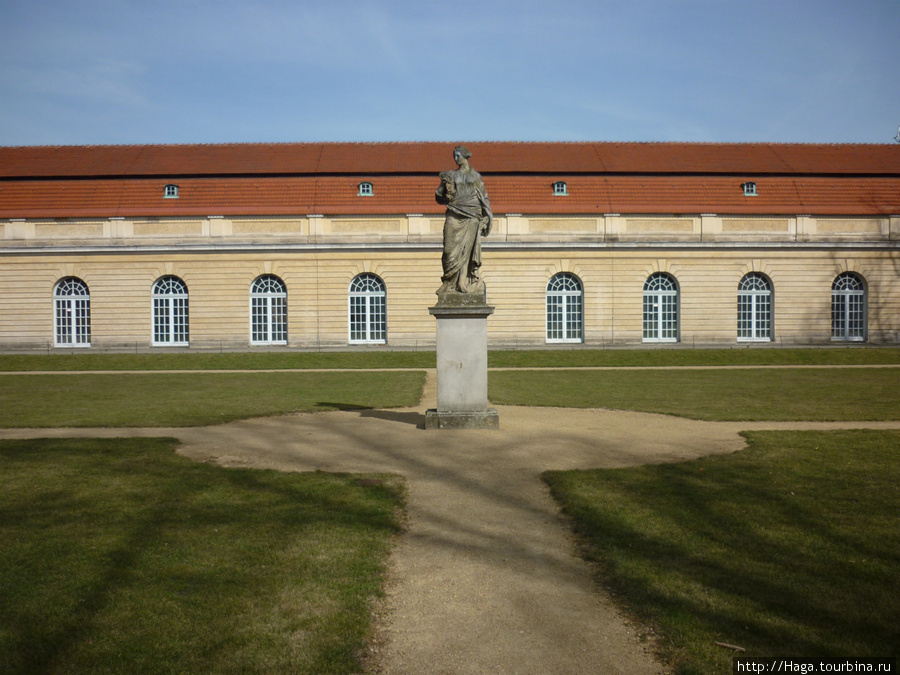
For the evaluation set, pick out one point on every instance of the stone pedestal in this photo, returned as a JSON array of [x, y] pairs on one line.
[[461, 364]]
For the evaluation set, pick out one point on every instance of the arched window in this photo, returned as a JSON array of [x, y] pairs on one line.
[[565, 300], [754, 308], [368, 310], [268, 311], [72, 315], [848, 308], [660, 308], [170, 312]]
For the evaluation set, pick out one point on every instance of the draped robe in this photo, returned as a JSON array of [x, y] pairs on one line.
[[467, 214]]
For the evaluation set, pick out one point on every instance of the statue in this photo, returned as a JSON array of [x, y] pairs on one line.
[[468, 219]]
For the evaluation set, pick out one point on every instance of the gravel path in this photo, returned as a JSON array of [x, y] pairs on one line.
[[486, 579]]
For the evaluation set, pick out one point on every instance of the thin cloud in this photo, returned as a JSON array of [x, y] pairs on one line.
[[100, 81], [279, 70]]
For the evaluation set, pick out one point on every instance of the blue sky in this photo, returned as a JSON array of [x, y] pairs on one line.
[[211, 71]]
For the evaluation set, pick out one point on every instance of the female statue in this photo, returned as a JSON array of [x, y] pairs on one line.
[[468, 219]]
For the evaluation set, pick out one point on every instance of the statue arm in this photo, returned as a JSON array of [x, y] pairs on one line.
[[488, 219]]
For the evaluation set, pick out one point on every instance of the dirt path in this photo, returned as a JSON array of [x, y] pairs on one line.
[[487, 578]]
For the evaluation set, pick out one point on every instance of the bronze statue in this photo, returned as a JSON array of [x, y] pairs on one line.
[[468, 219]]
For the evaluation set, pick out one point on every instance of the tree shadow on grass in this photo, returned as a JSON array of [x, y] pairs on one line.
[[143, 561]]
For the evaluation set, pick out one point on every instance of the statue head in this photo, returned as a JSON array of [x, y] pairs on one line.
[[463, 151]]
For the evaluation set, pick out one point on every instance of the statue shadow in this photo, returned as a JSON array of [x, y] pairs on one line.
[[412, 418]]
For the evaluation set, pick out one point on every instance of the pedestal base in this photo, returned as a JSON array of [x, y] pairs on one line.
[[478, 419], [461, 364]]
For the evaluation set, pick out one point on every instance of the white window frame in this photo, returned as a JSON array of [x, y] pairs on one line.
[[749, 189], [660, 313], [71, 313], [171, 319], [268, 311], [367, 310], [755, 309], [170, 191], [564, 315], [366, 189], [560, 189], [849, 308]]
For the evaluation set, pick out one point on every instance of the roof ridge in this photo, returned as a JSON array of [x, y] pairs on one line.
[[224, 144]]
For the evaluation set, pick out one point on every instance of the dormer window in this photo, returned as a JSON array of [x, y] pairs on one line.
[[749, 189], [170, 191], [366, 190], [560, 189]]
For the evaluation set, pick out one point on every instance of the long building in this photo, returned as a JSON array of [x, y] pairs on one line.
[[338, 245]]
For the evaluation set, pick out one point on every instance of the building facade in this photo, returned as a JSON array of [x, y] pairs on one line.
[[338, 245]]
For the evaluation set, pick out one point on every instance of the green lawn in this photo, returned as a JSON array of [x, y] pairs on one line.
[[680, 356], [193, 399], [729, 394], [79, 360], [789, 548], [542, 358], [119, 556]]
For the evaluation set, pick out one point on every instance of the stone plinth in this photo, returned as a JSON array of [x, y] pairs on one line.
[[461, 364]]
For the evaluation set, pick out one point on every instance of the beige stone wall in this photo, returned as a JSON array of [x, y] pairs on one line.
[[516, 277], [218, 257], [613, 282], [418, 228]]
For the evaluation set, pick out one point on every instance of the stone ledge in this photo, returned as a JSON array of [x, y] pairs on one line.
[[461, 304], [475, 419]]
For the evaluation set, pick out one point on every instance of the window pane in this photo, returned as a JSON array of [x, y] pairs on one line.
[[573, 318], [669, 317], [268, 311], [554, 317], [279, 319], [367, 309], [848, 308], [357, 318], [754, 307], [856, 316], [378, 318], [170, 311], [564, 308], [660, 308], [161, 322], [72, 313], [745, 316], [838, 316], [763, 316], [651, 317], [260, 320], [659, 282], [180, 320], [63, 322]]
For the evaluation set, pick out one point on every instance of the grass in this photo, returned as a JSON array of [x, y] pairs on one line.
[[193, 399], [789, 548], [77, 360], [558, 358], [120, 556], [671, 357], [763, 394]]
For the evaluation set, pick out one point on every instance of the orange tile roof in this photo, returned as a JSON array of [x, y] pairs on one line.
[[303, 178], [333, 195], [491, 157]]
